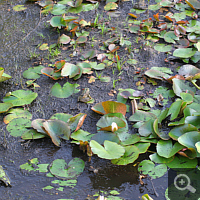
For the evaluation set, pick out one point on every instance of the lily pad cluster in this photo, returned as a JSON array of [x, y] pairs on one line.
[[66, 174], [177, 25]]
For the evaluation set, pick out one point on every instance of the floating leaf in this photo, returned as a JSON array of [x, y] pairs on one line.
[[60, 169], [170, 37], [70, 70], [174, 109], [81, 39], [102, 136], [143, 147], [188, 71], [4, 107], [33, 72], [17, 113], [111, 150], [158, 159], [182, 162], [109, 107], [57, 21], [176, 132], [189, 140], [194, 4], [32, 135], [110, 6], [4, 177], [74, 3], [141, 116], [159, 132], [19, 8], [81, 135], [18, 126], [147, 128], [145, 166], [158, 171], [184, 52], [105, 123], [64, 39], [166, 149], [163, 47], [44, 47], [37, 124], [180, 86], [57, 129], [48, 71], [130, 155], [64, 92], [76, 122], [58, 9], [61, 116], [20, 97]]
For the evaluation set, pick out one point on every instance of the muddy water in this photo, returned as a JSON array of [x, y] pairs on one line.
[[20, 33]]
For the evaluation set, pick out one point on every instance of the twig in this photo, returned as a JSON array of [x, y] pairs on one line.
[[153, 187], [134, 106], [29, 32]]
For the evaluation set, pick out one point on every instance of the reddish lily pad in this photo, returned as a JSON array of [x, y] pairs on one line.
[[109, 107], [76, 122]]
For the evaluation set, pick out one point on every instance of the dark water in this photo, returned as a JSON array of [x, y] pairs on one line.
[[17, 46]]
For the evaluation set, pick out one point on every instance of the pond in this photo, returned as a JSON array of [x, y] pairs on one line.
[[22, 33]]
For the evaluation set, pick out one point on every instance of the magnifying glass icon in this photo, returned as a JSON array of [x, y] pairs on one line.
[[182, 182]]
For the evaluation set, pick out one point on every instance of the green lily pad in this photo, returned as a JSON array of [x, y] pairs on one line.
[[194, 120], [158, 159], [163, 47], [4, 177], [4, 107], [64, 92], [68, 183], [17, 113], [61, 169], [110, 6], [184, 52], [57, 21], [141, 116], [111, 150], [180, 86], [58, 9], [174, 109], [158, 171], [182, 162], [127, 139], [61, 116], [143, 147], [64, 39], [147, 128], [81, 39], [19, 8], [70, 70], [20, 97], [178, 131], [57, 129], [18, 126], [130, 155], [105, 123], [33, 72], [81, 135], [37, 124], [166, 149], [145, 166], [189, 140], [102, 136], [159, 131], [32, 135]]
